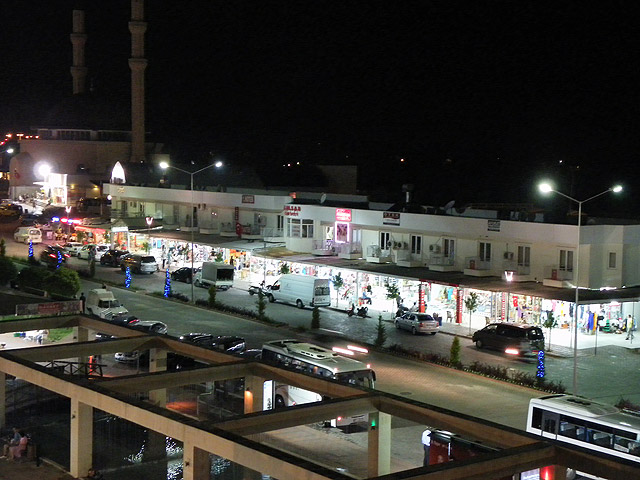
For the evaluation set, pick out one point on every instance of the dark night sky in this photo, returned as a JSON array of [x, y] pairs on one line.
[[481, 98]]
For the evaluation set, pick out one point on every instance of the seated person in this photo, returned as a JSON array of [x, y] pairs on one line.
[[17, 451], [11, 442], [93, 474]]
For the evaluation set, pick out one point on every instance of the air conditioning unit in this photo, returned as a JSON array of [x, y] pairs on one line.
[[434, 248], [397, 245], [508, 255]]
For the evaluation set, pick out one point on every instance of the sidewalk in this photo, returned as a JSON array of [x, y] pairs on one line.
[[10, 470]]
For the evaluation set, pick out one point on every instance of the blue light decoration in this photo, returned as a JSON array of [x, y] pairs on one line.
[[127, 278], [167, 285], [59, 261], [30, 249], [540, 372]]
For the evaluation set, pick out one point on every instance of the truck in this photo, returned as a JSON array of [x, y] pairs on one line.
[[214, 273], [301, 290], [101, 303]]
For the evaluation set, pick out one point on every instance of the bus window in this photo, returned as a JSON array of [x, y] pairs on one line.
[[536, 418], [549, 422], [599, 438]]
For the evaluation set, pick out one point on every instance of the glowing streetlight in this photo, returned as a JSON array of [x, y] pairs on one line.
[[547, 188], [44, 170], [164, 166], [149, 222]]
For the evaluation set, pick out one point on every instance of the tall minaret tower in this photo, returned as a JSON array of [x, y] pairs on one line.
[[137, 63], [78, 40]]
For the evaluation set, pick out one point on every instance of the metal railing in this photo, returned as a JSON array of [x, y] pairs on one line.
[[440, 259], [474, 263]]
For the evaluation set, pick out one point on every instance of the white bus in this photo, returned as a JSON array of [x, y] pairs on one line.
[[587, 424], [313, 359]]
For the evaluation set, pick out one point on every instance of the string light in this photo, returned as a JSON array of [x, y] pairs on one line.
[[167, 285], [127, 278], [540, 372]]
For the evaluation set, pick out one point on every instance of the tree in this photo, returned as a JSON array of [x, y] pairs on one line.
[[284, 269], [261, 304], [3, 248], [381, 333], [33, 277], [393, 293], [212, 295], [338, 283], [471, 303], [8, 270], [549, 323], [454, 352], [64, 282], [315, 318]]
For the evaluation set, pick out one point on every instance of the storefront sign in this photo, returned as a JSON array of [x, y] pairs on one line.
[[391, 218], [421, 287], [248, 199], [493, 225], [119, 229], [236, 214], [342, 232], [343, 215], [49, 308], [292, 210]]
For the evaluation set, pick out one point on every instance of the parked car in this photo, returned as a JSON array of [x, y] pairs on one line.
[[30, 219], [222, 343], [184, 274], [112, 257], [139, 263], [123, 319], [150, 326], [72, 248], [24, 234], [50, 253], [417, 323], [100, 250], [511, 338], [102, 303]]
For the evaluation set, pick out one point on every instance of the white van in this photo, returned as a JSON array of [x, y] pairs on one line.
[[103, 304], [301, 290], [24, 234]]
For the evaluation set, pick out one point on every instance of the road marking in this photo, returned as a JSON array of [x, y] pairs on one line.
[[332, 331]]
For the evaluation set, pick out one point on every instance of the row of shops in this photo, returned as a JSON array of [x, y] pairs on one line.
[[361, 287]]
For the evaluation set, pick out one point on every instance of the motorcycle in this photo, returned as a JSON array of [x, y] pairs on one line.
[[360, 312]]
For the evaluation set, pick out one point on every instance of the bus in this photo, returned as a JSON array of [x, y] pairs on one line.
[[586, 423], [316, 360]]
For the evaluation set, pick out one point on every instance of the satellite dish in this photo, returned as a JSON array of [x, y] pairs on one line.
[[449, 205], [323, 198]]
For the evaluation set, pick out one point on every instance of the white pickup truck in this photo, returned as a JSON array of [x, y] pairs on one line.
[[101, 303]]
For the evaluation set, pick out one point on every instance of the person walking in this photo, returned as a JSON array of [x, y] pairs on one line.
[[426, 445], [629, 328], [83, 299]]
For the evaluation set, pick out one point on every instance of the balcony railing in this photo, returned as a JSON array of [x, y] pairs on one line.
[[440, 259], [474, 263], [554, 272], [349, 248]]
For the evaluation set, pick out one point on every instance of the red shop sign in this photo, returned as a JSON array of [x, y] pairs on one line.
[[343, 215]]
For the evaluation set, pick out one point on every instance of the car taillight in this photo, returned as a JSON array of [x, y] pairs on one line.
[[420, 324], [512, 351], [53, 256], [67, 255]]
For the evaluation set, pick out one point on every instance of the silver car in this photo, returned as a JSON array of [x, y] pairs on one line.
[[417, 323]]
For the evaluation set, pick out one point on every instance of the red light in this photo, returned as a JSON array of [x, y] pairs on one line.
[[357, 349], [339, 418], [511, 351], [52, 255]]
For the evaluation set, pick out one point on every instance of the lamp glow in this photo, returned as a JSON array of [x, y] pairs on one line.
[[545, 188], [164, 165], [617, 189]]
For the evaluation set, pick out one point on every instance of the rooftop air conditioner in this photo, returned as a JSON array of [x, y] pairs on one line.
[[508, 255], [434, 248]]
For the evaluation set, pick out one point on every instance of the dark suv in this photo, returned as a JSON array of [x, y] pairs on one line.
[[511, 338], [112, 257]]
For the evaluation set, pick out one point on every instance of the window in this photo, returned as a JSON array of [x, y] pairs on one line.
[[280, 221], [416, 244], [524, 256], [300, 228], [612, 259], [307, 228], [484, 251], [566, 260], [385, 240], [449, 247]]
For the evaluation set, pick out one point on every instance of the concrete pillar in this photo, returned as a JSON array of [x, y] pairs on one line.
[[81, 444], [253, 393], [196, 464], [379, 444], [3, 400], [81, 334], [158, 363]]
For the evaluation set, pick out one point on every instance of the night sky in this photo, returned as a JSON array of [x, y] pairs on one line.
[[481, 98]]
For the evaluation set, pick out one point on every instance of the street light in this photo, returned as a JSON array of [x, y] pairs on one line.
[[547, 188], [164, 166], [68, 209], [149, 222]]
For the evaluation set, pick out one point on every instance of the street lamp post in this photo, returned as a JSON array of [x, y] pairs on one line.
[[546, 188], [68, 210], [164, 166], [149, 222]]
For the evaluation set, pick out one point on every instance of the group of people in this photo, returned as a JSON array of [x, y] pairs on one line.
[[15, 446]]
